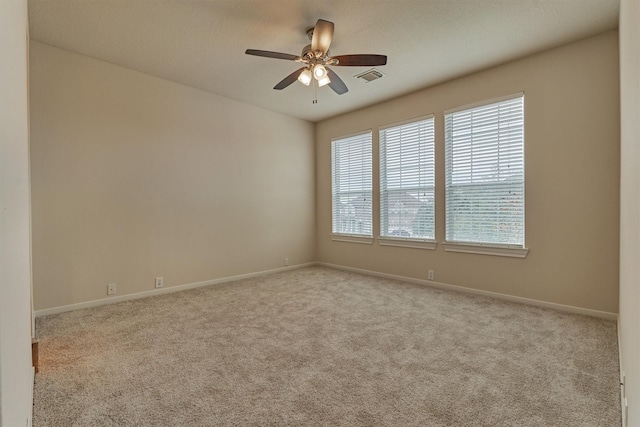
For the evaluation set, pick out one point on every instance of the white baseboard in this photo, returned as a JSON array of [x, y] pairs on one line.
[[160, 291], [497, 295], [506, 297]]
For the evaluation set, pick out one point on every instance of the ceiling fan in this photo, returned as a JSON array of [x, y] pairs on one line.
[[316, 58]]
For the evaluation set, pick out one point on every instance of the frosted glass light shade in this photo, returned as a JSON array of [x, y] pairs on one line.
[[323, 81], [305, 77], [319, 72]]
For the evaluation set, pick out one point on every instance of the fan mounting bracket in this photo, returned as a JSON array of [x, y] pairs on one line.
[[310, 32]]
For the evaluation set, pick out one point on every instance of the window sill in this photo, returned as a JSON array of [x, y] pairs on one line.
[[496, 250], [365, 240], [407, 243]]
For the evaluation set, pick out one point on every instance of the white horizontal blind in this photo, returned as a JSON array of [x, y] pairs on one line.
[[484, 173], [407, 177], [351, 185]]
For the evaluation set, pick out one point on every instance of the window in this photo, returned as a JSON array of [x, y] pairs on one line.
[[484, 174], [407, 181], [351, 185]]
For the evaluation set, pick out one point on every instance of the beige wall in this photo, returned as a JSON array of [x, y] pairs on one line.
[[572, 179], [135, 177], [630, 204], [16, 374]]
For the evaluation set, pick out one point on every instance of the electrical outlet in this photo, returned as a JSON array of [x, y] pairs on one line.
[[286, 262], [111, 289], [432, 275], [159, 282]]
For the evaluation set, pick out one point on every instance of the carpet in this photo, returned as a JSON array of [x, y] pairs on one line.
[[323, 347]]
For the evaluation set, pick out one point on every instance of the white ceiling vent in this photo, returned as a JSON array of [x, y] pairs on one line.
[[369, 76]]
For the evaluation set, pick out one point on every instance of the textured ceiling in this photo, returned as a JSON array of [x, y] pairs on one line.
[[202, 43]]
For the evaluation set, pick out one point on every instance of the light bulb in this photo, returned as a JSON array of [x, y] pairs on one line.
[[319, 72], [305, 77]]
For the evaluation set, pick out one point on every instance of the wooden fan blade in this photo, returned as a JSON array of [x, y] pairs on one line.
[[269, 54], [322, 36], [336, 84], [289, 79], [361, 60]]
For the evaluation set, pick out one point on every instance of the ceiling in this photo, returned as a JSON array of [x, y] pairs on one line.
[[202, 43]]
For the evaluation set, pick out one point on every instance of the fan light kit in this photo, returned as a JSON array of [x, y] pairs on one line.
[[316, 58]]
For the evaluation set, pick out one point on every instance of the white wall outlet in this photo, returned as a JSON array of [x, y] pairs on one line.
[[286, 262], [111, 289], [431, 275], [159, 282]]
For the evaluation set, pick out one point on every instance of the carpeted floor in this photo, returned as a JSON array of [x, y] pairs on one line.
[[321, 347]]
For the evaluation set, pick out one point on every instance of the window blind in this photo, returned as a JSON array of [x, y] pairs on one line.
[[484, 174], [351, 185], [407, 178]]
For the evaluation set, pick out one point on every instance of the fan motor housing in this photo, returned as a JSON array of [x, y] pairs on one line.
[[307, 53]]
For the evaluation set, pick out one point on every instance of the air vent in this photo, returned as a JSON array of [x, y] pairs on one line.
[[369, 76]]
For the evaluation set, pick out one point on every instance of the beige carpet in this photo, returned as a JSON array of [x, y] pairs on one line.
[[320, 347]]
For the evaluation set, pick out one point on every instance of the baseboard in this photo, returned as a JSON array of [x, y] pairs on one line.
[[160, 291], [497, 295], [439, 285]]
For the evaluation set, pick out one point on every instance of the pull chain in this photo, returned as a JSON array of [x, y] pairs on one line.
[[315, 91]]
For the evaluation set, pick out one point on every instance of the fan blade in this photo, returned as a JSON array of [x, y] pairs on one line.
[[336, 84], [362, 60], [289, 79], [269, 54], [322, 36]]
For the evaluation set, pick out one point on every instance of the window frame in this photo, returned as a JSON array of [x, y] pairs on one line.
[[346, 236], [484, 248], [384, 191]]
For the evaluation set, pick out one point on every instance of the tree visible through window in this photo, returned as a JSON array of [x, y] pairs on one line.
[[484, 156], [351, 185], [407, 180]]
